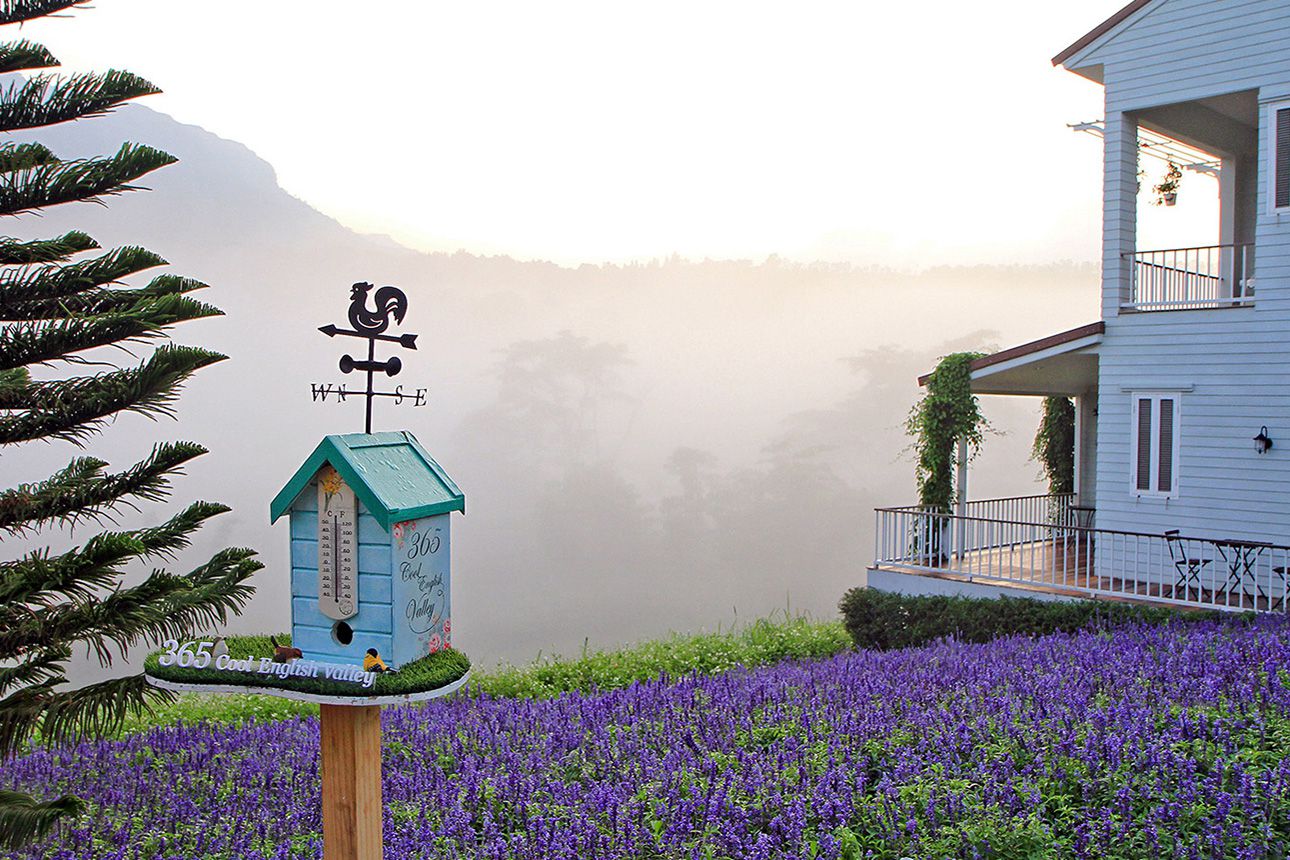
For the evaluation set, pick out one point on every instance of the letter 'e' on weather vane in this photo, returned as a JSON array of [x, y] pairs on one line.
[[370, 322]]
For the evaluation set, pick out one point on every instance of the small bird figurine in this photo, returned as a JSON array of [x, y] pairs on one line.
[[389, 301], [373, 662], [284, 653], [219, 648]]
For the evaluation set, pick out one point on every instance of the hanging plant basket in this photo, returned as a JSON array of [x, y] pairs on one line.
[[1167, 189]]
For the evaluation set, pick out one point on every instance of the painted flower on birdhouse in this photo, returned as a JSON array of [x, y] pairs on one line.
[[435, 643], [447, 626], [331, 481]]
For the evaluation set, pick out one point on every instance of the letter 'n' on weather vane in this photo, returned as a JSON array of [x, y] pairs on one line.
[[370, 323]]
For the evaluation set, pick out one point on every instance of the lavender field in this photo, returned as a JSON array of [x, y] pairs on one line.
[[1145, 742]]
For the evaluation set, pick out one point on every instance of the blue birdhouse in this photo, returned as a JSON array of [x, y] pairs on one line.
[[369, 518]]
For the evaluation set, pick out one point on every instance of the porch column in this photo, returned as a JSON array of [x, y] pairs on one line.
[[960, 505], [1120, 209], [1086, 449]]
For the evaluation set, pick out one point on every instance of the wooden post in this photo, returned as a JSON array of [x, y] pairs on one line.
[[351, 782]]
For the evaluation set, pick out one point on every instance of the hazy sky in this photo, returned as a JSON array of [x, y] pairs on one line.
[[905, 134]]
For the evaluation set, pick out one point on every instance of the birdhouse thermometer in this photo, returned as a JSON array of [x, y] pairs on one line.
[[364, 507], [337, 547]]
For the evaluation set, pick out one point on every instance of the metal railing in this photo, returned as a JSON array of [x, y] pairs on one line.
[[1213, 276], [1058, 555], [1045, 507]]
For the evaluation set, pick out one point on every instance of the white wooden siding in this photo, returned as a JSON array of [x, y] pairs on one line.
[[1234, 364], [1180, 50]]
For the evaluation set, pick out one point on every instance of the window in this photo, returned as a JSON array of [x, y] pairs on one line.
[[1279, 156], [1155, 445]]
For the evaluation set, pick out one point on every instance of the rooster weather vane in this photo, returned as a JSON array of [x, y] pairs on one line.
[[371, 323]]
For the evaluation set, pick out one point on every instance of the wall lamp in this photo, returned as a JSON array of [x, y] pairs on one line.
[[1262, 443]]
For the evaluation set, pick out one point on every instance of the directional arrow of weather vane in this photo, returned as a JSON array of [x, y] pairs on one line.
[[370, 324]]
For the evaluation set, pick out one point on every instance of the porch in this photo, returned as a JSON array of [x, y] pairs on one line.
[[1214, 143], [1042, 544]]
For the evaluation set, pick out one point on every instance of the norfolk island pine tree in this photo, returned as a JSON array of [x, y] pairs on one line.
[[63, 307]]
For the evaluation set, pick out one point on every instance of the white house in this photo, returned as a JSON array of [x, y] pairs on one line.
[[1175, 499]]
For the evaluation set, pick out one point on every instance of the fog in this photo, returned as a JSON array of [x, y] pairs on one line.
[[670, 446]]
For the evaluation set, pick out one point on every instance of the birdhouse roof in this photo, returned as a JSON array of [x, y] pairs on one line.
[[389, 472]]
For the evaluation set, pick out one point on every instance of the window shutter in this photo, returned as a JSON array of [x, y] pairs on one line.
[[1144, 445], [1165, 475], [1282, 166]]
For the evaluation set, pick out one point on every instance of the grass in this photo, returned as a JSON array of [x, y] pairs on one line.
[[767, 640], [428, 673], [764, 641]]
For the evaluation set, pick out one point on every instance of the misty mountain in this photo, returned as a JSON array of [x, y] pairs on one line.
[[644, 447]]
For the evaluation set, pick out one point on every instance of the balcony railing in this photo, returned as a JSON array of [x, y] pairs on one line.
[[1046, 508], [1215, 276], [1056, 554]]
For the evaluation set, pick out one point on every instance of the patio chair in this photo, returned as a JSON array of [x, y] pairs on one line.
[[1285, 584], [1189, 567]]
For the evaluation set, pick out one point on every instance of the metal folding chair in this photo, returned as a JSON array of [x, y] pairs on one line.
[[1189, 567]]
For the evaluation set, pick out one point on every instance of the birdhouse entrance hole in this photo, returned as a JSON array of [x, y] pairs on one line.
[[342, 633]]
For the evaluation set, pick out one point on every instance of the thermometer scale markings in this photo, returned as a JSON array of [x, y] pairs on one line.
[[337, 576]]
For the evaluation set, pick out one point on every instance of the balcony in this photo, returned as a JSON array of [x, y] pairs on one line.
[[1048, 544], [1215, 276]]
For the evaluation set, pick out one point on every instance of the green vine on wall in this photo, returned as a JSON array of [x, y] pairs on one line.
[[947, 414], [1055, 444]]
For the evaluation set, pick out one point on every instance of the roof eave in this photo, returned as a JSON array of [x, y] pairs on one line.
[[1093, 72], [1071, 51], [287, 495], [1092, 330], [402, 515]]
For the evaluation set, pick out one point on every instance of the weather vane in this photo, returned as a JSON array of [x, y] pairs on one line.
[[371, 323]]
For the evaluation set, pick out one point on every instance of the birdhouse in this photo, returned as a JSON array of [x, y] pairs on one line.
[[369, 518]]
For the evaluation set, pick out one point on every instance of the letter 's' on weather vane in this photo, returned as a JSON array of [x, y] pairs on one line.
[[370, 323]]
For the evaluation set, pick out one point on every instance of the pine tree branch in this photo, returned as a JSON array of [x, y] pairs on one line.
[[101, 301], [68, 717], [73, 409], [24, 819], [85, 180], [163, 606], [82, 492], [39, 581], [40, 668], [98, 709], [28, 343], [21, 55], [20, 286], [22, 156], [16, 253], [16, 11], [93, 710], [13, 382], [49, 99]]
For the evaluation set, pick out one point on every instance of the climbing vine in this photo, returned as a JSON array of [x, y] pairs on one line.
[[1055, 444], [947, 414]]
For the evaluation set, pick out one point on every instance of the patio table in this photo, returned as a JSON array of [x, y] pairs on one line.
[[1242, 557]]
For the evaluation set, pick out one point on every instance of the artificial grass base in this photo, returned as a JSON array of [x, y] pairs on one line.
[[432, 672]]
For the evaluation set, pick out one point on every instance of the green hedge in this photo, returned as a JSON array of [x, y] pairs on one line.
[[879, 619]]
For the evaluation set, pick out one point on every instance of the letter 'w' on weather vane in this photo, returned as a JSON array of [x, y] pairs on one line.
[[370, 323]]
